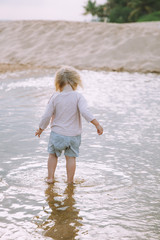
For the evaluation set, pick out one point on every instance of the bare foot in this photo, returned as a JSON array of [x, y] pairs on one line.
[[50, 180], [71, 183]]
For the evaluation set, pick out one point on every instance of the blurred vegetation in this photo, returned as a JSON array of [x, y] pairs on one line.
[[123, 11], [150, 17]]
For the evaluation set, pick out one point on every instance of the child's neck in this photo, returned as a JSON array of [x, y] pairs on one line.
[[67, 88]]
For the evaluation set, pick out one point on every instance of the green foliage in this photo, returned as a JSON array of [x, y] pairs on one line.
[[102, 12], [150, 17], [121, 11], [90, 8], [119, 14], [141, 8], [94, 9]]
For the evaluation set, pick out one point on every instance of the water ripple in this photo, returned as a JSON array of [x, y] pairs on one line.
[[117, 192]]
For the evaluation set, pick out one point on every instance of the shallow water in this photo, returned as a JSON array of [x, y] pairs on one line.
[[117, 191]]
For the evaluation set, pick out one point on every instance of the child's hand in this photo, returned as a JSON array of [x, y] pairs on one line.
[[38, 132], [99, 129], [98, 126]]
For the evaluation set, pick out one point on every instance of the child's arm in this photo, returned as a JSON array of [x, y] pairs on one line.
[[98, 126], [40, 130], [48, 114], [85, 112]]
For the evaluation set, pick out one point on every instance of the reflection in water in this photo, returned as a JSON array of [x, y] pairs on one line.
[[64, 219]]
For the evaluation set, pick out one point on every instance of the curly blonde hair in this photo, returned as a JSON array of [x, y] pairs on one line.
[[67, 75]]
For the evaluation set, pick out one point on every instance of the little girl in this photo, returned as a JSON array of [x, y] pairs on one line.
[[64, 111]]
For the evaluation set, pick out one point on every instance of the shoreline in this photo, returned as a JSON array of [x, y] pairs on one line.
[[45, 45], [11, 68]]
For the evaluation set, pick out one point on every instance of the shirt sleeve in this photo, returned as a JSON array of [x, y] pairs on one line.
[[48, 114], [84, 110]]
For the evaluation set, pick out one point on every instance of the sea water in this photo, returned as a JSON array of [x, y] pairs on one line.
[[117, 190]]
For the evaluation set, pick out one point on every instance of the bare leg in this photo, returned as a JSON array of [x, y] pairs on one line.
[[70, 167], [52, 163]]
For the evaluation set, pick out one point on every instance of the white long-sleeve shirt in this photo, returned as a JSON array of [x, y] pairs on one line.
[[64, 110]]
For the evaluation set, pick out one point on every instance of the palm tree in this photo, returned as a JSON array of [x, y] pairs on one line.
[[102, 12], [140, 8], [90, 8]]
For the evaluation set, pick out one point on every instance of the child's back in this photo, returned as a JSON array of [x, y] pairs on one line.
[[65, 109]]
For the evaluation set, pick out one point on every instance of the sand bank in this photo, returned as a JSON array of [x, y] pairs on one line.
[[98, 46]]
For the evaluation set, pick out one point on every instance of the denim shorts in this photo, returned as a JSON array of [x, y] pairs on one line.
[[58, 143]]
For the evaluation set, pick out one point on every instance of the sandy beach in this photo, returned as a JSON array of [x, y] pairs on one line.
[[42, 45]]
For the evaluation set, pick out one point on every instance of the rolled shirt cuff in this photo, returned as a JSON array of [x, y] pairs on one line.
[[89, 117]]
